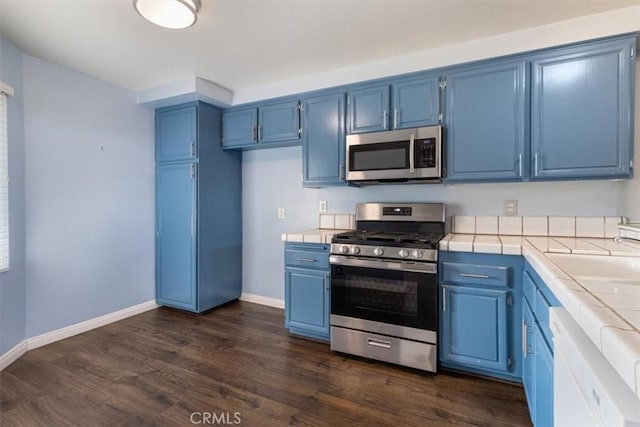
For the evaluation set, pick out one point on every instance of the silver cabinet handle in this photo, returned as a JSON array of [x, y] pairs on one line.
[[385, 119], [378, 343], [520, 164], [396, 118], [342, 178], [260, 133], [535, 164], [444, 299], [327, 281], [474, 276], [192, 148], [524, 339], [253, 133], [306, 260]]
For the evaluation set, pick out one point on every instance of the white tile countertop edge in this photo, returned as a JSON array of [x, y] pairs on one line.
[[617, 338], [316, 235]]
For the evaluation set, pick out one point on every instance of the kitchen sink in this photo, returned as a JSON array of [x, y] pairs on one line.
[[613, 268]]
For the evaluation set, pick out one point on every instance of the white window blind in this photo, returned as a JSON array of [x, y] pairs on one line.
[[4, 185]]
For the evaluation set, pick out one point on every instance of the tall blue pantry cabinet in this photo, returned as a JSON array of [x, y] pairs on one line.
[[198, 210]]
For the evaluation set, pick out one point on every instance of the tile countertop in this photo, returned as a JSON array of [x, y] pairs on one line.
[[609, 312], [316, 235]]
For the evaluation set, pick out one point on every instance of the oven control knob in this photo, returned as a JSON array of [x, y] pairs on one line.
[[403, 253], [378, 251], [355, 250], [344, 249], [416, 254]]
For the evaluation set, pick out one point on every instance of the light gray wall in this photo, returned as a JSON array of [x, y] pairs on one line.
[[90, 197], [272, 179], [629, 196], [12, 282]]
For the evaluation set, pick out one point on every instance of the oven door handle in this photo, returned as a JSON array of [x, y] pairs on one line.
[[415, 267]]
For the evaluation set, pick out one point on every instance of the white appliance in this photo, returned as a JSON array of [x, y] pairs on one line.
[[587, 390]]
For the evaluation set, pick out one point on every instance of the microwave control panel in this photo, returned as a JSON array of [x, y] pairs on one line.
[[425, 155]]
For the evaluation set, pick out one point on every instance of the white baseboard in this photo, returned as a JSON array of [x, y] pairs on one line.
[[12, 355], [78, 328], [69, 331], [259, 299]]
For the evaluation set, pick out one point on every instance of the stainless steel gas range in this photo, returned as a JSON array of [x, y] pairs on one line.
[[384, 287]]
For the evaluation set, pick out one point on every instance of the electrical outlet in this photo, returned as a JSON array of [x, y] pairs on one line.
[[280, 213], [511, 207], [323, 206]]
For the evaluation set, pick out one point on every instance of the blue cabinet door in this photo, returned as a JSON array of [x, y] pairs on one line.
[[582, 125], [307, 300], [474, 327], [239, 128], [176, 135], [176, 235], [485, 111], [528, 356], [279, 122], [369, 109], [323, 141], [543, 384], [416, 102]]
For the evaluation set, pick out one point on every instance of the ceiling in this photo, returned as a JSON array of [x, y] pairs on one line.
[[244, 43]]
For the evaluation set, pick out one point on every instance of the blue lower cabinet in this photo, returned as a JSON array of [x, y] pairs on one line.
[[528, 356], [538, 347], [466, 339], [480, 313], [176, 242], [544, 384], [307, 290]]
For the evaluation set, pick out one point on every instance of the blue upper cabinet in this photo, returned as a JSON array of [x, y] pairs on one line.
[[176, 235], [485, 118], [176, 135], [369, 108], [582, 106], [416, 102], [279, 122], [400, 103], [239, 128], [274, 124], [323, 143]]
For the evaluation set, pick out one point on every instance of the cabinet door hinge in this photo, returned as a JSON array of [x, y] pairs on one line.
[[509, 300], [442, 84]]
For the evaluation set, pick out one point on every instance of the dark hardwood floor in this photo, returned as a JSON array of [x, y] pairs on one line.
[[234, 364]]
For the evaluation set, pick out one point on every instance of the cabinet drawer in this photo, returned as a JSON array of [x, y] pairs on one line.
[[304, 258], [473, 274], [529, 289], [541, 312]]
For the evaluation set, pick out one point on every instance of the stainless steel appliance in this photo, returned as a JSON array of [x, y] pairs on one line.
[[408, 155], [384, 287]]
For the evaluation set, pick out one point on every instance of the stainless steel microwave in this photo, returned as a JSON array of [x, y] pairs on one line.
[[408, 155]]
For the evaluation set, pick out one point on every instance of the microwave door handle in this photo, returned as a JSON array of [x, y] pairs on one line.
[[412, 169]]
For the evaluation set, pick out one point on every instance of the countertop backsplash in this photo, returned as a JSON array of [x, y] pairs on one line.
[[543, 226]]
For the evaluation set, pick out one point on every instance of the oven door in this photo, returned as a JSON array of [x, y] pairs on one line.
[[393, 292]]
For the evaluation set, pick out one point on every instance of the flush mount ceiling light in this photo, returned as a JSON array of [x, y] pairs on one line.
[[174, 14]]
